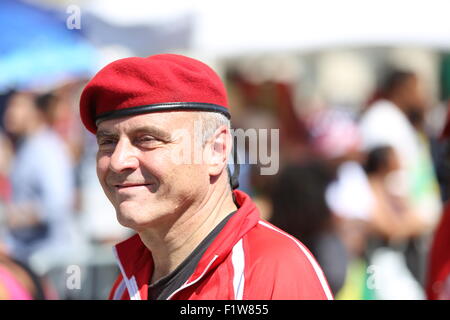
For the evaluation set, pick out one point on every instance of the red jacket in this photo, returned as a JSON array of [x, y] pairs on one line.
[[249, 259], [438, 279]]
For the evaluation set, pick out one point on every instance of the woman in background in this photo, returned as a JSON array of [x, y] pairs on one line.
[[299, 207]]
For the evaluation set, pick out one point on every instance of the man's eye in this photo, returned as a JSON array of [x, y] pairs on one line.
[[146, 140], [105, 142]]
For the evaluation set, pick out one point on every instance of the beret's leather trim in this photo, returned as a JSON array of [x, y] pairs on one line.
[[169, 106]]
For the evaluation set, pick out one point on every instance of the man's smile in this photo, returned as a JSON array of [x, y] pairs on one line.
[[130, 186]]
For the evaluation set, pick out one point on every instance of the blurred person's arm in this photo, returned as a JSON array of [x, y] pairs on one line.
[[21, 215], [393, 216]]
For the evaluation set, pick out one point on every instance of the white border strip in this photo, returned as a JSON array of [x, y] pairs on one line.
[[130, 283], [135, 290], [238, 260], [311, 259], [120, 290]]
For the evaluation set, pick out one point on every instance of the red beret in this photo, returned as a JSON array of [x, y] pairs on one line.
[[161, 82]]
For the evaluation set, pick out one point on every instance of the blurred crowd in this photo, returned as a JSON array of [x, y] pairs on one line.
[[363, 189], [53, 212]]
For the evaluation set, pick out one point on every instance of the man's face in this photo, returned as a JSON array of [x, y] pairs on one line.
[[136, 169]]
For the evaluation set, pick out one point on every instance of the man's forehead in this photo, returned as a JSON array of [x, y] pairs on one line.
[[161, 121]]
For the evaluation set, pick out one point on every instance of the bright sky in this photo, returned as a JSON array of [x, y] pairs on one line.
[[232, 26]]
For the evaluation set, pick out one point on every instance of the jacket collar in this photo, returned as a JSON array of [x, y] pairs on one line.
[[136, 262]]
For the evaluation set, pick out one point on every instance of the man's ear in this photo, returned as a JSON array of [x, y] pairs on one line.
[[217, 150]]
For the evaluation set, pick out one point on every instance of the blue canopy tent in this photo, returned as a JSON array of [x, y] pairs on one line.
[[37, 48]]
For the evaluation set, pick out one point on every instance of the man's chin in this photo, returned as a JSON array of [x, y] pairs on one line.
[[133, 222], [134, 218]]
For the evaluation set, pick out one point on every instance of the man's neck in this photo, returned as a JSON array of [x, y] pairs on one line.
[[171, 246]]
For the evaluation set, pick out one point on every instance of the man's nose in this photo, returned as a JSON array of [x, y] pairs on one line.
[[124, 157]]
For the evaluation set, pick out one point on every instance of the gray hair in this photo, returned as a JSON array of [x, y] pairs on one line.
[[211, 121]]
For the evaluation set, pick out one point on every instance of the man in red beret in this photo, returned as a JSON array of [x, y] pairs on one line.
[[197, 238]]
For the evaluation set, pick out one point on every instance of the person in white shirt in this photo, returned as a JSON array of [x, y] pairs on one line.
[[394, 121]]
